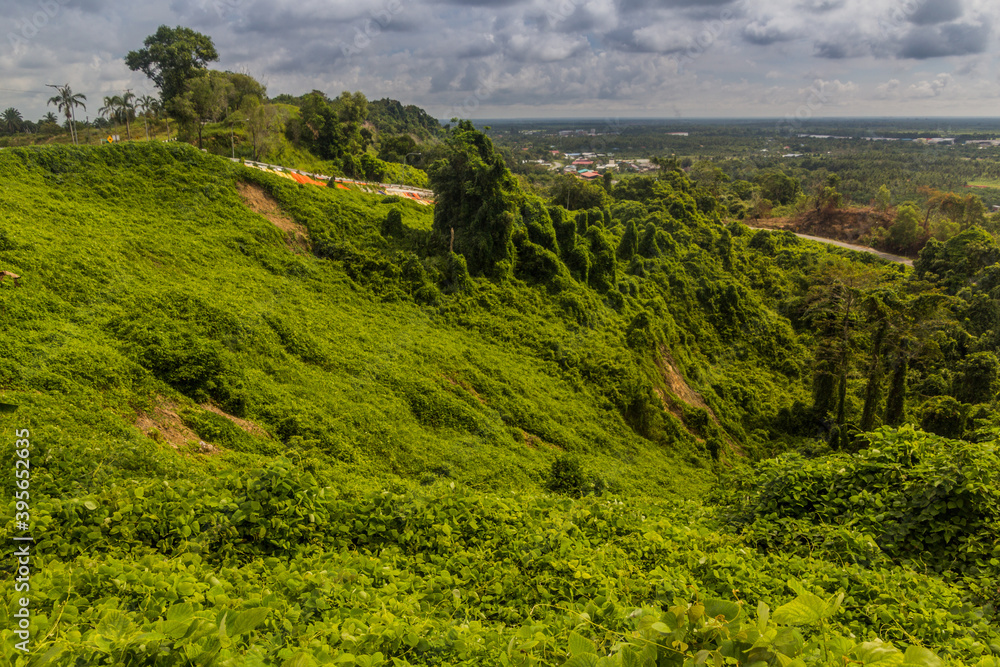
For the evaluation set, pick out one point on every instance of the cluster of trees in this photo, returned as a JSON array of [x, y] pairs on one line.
[[220, 110], [176, 61], [12, 122], [886, 348], [360, 136]]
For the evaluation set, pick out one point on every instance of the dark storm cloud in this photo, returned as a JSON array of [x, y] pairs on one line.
[[834, 50], [956, 39], [932, 12]]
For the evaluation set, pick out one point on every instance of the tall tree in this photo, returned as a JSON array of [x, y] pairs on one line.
[[112, 107], [172, 57], [205, 100], [11, 120], [834, 309], [146, 105], [478, 200], [262, 124], [127, 110], [66, 101]]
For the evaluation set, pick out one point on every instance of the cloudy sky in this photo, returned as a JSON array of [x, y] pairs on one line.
[[542, 58]]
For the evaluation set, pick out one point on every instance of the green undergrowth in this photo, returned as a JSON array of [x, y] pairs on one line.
[[290, 563], [249, 449]]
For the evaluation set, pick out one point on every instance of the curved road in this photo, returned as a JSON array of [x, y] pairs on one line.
[[850, 246]]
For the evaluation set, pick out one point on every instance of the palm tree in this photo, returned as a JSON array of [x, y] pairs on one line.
[[128, 111], [146, 105], [11, 120], [50, 118], [112, 108], [66, 101]]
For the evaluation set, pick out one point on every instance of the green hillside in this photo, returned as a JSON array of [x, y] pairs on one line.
[[279, 424]]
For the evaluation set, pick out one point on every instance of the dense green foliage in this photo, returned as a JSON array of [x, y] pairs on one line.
[[390, 117], [386, 457], [171, 57]]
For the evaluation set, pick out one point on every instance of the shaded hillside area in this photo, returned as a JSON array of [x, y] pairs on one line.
[[146, 274]]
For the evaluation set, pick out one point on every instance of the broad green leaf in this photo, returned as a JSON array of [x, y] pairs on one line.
[[632, 657], [221, 632], [582, 660], [181, 612], [917, 656], [878, 653], [833, 605], [838, 646], [763, 616], [116, 627], [715, 608], [789, 641], [803, 610], [579, 644], [90, 504], [50, 655], [301, 659], [245, 621]]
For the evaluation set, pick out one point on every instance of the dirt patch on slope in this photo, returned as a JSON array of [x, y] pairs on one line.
[[850, 225], [467, 387], [677, 385], [532, 441], [258, 201], [164, 424], [679, 393]]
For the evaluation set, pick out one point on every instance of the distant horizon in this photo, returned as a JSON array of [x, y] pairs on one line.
[[690, 119]]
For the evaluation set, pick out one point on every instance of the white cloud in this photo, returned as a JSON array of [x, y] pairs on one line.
[[927, 89]]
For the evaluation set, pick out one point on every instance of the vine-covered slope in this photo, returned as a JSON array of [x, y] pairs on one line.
[[279, 424]]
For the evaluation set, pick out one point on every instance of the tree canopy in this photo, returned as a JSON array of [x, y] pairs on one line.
[[172, 57], [477, 198]]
